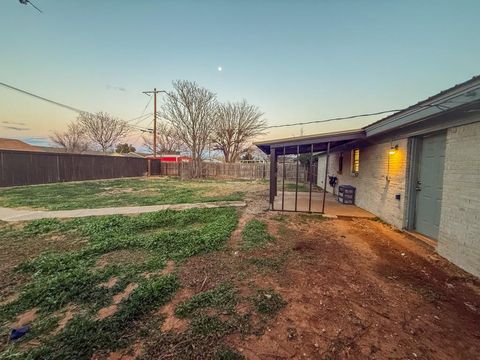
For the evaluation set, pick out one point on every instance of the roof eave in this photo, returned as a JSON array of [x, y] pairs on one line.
[[448, 100]]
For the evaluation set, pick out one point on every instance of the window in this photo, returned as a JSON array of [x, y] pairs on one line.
[[355, 163], [340, 164]]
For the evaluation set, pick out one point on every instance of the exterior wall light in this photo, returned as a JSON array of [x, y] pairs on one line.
[[393, 150]]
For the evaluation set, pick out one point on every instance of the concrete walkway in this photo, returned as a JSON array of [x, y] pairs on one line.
[[12, 214]]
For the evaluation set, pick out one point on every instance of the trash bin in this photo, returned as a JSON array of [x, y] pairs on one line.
[[346, 194]]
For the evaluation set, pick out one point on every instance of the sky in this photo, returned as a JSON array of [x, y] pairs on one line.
[[297, 61]]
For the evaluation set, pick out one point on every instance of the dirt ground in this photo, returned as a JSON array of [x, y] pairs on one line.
[[355, 289], [352, 288]]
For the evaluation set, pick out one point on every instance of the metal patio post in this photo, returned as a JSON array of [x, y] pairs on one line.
[[325, 180]]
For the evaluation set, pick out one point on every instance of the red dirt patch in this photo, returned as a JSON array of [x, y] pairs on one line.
[[128, 354], [171, 322], [9, 299], [107, 311], [167, 270], [110, 283], [67, 316], [25, 318], [357, 289], [117, 299]]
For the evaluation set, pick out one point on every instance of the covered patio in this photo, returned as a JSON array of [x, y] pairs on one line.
[[293, 173]]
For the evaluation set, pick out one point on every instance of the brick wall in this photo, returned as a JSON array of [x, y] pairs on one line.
[[374, 192], [459, 236]]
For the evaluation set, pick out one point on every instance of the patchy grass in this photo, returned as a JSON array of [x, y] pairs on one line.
[[289, 186], [223, 298], [84, 335], [119, 192], [56, 279], [226, 353], [304, 218], [268, 302], [269, 263], [214, 314], [255, 234], [280, 217]]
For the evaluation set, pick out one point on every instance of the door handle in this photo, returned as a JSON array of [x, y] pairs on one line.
[[418, 187]]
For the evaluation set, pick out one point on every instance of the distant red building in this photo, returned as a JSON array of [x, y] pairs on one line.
[[171, 158]]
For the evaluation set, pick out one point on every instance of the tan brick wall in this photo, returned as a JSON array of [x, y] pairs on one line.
[[374, 193], [459, 236]]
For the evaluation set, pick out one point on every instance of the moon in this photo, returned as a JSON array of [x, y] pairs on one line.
[[219, 68]]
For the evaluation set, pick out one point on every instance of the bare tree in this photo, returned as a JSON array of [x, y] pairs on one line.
[[253, 153], [236, 125], [190, 109], [73, 139], [168, 140], [103, 129]]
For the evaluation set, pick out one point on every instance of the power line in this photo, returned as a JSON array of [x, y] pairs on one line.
[[441, 106], [77, 110], [154, 92], [42, 98], [139, 119], [148, 103], [333, 119]]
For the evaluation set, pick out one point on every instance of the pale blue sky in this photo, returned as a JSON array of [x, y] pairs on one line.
[[296, 60]]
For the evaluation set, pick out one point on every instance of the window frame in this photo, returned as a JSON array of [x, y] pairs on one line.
[[355, 162], [340, 164]]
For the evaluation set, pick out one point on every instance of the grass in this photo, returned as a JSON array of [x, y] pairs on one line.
[[301, 187], [305, 218], [268, 302], [255, 234], [214, 314], [118, 192], [222, 298], [269, 263], [56, 279], [280, 217]]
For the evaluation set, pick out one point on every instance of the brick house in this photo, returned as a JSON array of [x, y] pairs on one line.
[[418, 169]]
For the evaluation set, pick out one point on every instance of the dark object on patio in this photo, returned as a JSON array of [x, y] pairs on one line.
[[346, 194], [332, 181], [16, 334]]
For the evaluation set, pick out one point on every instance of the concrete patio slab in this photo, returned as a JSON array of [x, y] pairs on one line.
[[332, 207]]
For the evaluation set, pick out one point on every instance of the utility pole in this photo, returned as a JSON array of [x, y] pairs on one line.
[[154, 92]]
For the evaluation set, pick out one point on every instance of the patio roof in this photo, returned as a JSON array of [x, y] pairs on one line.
[[307, 144], [462, 97]]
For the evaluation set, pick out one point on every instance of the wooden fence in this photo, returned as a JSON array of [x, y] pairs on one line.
[[27, 167], [235, 171]]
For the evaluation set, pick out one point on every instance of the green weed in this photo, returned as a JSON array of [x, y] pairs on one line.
[[226, 353], [305, 217], [268, 302], [269, 263], [72, 277], [223, 298], [255, 234], [280, 217]]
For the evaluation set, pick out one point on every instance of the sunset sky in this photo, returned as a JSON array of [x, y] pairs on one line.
[[297, 60]]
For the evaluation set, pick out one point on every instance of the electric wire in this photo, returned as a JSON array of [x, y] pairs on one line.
[[65, 106]]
